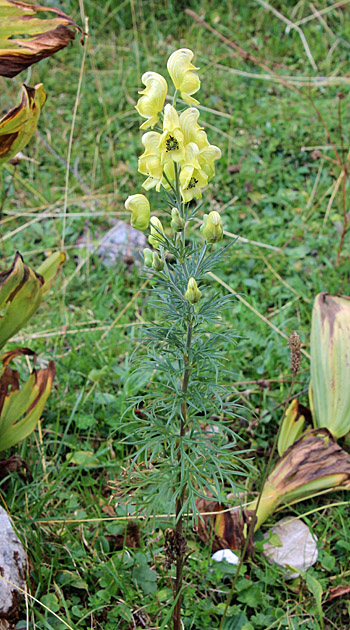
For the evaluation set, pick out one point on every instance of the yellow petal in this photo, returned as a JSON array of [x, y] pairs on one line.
[[152, 99], [183, 74]]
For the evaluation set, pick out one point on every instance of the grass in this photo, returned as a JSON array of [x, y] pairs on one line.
[[276, 196]]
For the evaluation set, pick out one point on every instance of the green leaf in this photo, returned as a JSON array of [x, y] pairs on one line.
[[28, 402], [51, 601], [249, 593], [315, 588], [145, 578], [22, 291]]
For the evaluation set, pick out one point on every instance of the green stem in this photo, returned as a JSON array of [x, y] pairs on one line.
[[252, 523], [180, 556]]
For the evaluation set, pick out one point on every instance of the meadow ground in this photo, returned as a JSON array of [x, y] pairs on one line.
[[277, 188]]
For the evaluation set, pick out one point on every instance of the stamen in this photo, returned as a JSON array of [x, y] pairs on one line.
[[171, 144], [193, 182]]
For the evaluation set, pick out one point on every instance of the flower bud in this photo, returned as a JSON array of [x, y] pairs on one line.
[[177, 223], [212, 227], [147, 257], [193, 294], [156, 237], [157, 263], [140, 211]]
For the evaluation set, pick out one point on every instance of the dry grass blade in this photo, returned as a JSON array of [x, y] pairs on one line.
[[290, 25], [262, 317]]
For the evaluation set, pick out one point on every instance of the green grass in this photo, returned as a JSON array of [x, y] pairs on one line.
[[79, 569]]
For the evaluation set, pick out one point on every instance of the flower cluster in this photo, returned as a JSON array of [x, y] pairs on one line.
[[177, 157], [182, 140]]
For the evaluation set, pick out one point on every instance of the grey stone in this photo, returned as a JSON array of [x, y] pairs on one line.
[[12, 568], [122, 242], [297, 548]]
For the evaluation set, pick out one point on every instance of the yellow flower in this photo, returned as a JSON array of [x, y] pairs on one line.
[[182, 74], [140, 211], [192, 177], [156, 237], [212, 227], [191, 129], [152, 99], [149, 161], [207, 157], [171, 143]]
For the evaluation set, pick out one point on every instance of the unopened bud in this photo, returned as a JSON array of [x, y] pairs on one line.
[[156, 233], [147, 257], [157, 262], [193, 294], [140, 211], [212, 227], [177, 223]]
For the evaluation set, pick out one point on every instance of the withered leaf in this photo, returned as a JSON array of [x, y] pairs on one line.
[[19, 124], [39, 38], [338, 591], [21, 407], [225, 529]]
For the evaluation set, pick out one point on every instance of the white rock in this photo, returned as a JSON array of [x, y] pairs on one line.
[[12, 568], [298, 548], [225, 554]]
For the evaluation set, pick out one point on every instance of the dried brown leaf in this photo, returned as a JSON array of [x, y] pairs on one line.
[[40, 38]]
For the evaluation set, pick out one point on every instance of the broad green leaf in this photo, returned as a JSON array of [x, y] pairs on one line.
[[19, 124], [20, 409], [22, 291], [48, 269], [39, 38]]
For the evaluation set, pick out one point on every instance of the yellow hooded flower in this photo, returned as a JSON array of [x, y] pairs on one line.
[[192, 177], [207, 157], [156, 237], [182, 74], [191, 129], [149, 162], [171, 143], [152, 99], [140, 211]]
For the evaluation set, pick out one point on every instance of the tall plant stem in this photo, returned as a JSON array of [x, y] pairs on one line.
[[345, 173], [252, 523], [345, 216], [180, 551]]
